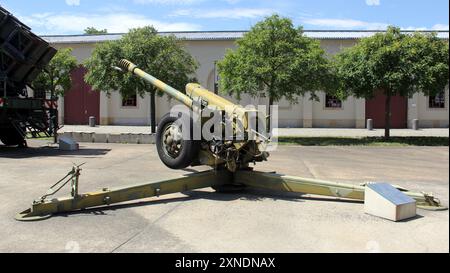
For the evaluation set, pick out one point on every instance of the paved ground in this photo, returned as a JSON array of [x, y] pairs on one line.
[[305, 132], [336, 132], [204, 221]]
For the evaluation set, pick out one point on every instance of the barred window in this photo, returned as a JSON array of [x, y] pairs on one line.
[[130, 101], [437, 101], [332, 102]]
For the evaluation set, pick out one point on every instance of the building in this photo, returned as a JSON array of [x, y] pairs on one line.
[[209, 47]]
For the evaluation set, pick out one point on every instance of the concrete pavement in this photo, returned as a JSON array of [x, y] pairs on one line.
[[205, 221]]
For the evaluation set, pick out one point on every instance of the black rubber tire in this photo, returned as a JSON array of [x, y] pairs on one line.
[[10, 137], [189, 149]]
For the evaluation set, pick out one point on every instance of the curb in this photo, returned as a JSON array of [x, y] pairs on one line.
[[111, 138]]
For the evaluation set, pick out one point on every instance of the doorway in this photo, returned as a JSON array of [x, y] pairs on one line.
[[81, 101]]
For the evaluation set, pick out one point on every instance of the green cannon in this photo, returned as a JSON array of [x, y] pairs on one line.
[[178, 149]]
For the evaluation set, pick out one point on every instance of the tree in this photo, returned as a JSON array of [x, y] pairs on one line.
[[161, 56], [395, 64], [55, 78], [93, 30], [274, 59]]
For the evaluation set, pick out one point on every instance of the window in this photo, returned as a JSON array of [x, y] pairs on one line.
[[437, 101], [130, 101], [332, 102]]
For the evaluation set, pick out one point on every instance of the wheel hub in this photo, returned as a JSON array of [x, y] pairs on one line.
[[172, 140]]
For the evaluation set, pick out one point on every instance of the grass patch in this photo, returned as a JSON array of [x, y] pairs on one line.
[[364, 141], [41, 136]]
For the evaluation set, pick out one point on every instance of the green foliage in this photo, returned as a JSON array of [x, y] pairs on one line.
[[395, 63], [55, 77], [161, 56], [93, 30], [276, 59]]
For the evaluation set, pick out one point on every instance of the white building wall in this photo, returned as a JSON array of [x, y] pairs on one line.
[[333, 46], [348, 116], [80, 51], [418, 108], [303, 113]]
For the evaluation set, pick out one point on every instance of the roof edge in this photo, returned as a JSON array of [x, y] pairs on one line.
[[223, 35], [240, 31]]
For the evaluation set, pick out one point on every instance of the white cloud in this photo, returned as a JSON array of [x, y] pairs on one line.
[[345, 23], [168, 2], [414, 28], [435, 27], [236, 13], [49, 23], [373, 2], [440, 27], [73, 2], [357, 24]]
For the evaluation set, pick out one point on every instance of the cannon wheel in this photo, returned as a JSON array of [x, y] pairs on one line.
[[174, 151]]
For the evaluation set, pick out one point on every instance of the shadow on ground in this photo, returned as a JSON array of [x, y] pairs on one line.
[[17, 152]]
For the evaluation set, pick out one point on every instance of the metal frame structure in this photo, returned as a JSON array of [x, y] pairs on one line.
[[45, 207], [23, 55]]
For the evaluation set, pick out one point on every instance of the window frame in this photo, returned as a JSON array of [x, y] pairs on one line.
[[123, 100], [429, 100], [341, 107]]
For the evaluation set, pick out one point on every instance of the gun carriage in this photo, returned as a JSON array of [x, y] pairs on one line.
[[229, 158]]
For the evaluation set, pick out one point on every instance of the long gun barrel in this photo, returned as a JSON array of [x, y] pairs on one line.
[[179, 96], [217, 148]]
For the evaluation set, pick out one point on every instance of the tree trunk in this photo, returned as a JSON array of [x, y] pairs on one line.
[[55, 125], [268, 129], [54, 122], [387, 116], [152, 112]]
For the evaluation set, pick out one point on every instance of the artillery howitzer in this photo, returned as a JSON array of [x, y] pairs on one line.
[[183, 138], [228, 154]]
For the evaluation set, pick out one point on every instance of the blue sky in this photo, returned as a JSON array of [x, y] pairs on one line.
[[73, 16]]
